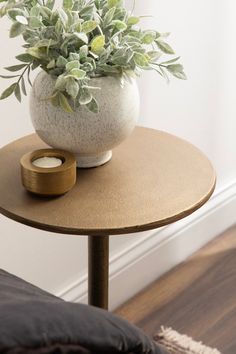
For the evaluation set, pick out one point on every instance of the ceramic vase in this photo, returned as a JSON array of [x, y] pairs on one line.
[[89, 136]]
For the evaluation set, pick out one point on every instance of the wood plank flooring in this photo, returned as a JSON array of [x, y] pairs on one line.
[[197, 298]]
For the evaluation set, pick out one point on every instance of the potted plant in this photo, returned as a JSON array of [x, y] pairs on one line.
[[85, 98]]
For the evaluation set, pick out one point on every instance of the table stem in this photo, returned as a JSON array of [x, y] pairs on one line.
[[98, 271]]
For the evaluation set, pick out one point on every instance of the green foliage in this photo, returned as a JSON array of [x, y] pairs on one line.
[[79, 41]]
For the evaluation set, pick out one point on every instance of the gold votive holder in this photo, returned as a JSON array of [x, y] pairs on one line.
[[48, 180]]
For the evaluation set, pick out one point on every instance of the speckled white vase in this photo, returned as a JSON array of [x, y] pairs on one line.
[[91, 137]]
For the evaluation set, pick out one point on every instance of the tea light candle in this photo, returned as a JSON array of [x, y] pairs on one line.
[[47, 162], [48, 172]]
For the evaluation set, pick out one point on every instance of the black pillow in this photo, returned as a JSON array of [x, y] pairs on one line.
[[34, 321]]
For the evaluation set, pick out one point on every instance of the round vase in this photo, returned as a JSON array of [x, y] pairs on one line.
[[89, 136]]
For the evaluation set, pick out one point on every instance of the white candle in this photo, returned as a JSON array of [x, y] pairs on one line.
[[47, 162]]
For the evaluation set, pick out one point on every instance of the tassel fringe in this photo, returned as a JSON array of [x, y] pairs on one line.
[[177, 343]]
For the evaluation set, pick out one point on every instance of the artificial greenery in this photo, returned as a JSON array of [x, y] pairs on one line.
[[81, 40]]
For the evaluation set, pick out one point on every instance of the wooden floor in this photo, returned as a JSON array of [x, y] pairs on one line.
[[197, 298]]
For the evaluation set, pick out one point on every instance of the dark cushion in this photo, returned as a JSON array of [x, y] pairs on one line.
[[34, 321]]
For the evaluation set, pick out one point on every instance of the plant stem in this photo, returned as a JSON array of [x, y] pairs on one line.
[[23, 72]]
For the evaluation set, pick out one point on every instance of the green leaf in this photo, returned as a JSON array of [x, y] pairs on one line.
[[75, 64], [64, 47], [148, 37], [78, 73], [109, 17], [74, 56], [8, 76], [15, 67], [51, 64], [85, 96], [34, 22], [171, 61], [89, 26], [63, 17], [109, 69], [68, 4], [35, 64], [87, 67], [45, 12], [159, 70], [60, 83], [64, 104], [77, 26], [97, 44], [50, 4], [120, 25], [23, 88], [35, 11], [58, 27], [12, 13], [95, 56], [28, 76], [93, 106], [82, 36], [72, 87], [45, 43], [83, 51], [154, 55], [113, 3], [133, 20], [177, 71], [141, 60], [91, 87], [3, 10], [98, 4], [17, 92], [16, 29], [134, 36], [164, 47], [175, 68], [37, 53], [71, 20], [25, 58], [8, 91], [22, 20], [55, 99], [87, 11], [61, 62], [164, 74], [164, 35], [122, 57]]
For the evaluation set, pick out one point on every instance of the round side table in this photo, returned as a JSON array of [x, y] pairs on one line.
[[153, 179]]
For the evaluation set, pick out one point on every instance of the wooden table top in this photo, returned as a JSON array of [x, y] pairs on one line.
[[153, 179]]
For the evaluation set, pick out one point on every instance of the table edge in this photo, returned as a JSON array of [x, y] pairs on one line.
[[113, 231]]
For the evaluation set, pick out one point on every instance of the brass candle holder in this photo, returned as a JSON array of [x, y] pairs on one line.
[[47, 180]]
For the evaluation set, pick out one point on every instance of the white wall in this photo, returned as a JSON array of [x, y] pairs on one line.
[[202, 110]]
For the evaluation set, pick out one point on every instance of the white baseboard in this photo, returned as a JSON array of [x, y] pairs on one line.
[[157, 251]]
